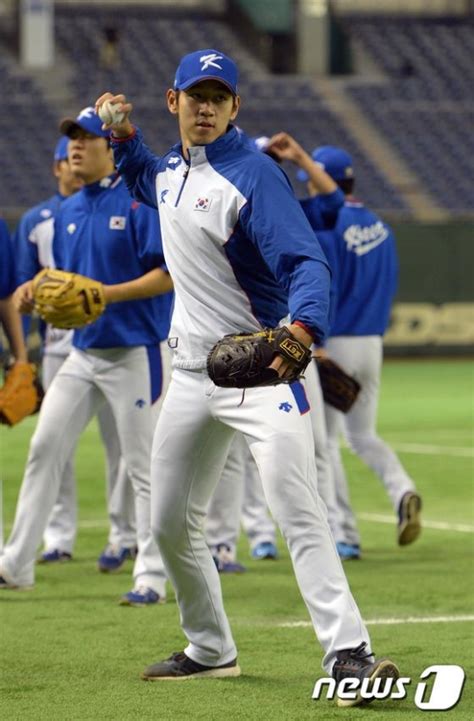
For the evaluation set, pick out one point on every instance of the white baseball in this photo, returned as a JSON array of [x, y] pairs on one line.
[[109, 113]]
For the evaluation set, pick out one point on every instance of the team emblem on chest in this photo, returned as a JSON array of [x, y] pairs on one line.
[[203, 204], [117, 222]]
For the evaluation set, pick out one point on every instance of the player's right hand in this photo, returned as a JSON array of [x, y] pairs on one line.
[[285, 147], [23, 298], [124, 127]]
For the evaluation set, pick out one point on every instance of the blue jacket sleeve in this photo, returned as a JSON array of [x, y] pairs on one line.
[[321, 210], [274, 221], [138, 167], [329, 244], [147, 234], [8, 278], [26, 250]]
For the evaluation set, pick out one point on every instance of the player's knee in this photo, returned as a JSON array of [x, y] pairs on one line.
[[167, 533], [41, 447], [361, 442]]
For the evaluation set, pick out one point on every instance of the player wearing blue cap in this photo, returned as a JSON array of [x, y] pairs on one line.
[[33, 242], [362, 253], [242, 256], [102, 233]]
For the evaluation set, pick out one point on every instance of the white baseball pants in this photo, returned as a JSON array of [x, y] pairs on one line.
[[62, 524], [361, 356], [121, 376], [191, 442], [239, 497]]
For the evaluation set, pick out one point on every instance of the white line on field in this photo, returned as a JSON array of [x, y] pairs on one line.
[[389, 621], [434, 525], [371, 517], [429, 450]]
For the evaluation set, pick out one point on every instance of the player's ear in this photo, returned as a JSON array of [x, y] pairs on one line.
[[235, 108], [172, 100]]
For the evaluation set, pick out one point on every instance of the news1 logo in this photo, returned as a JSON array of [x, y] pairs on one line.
[[441, 695]]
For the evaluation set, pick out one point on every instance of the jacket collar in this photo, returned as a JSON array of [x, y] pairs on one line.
[[203, 153], [109, 182]]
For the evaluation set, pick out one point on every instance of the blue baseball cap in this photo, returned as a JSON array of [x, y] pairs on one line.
[[335, 161], [60, 151], [206, 65], [88, 120]]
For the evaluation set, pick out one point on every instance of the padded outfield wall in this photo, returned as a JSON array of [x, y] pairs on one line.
[[434, 307], [433, 312]]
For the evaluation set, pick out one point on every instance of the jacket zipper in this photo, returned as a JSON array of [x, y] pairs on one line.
[[186, 173]]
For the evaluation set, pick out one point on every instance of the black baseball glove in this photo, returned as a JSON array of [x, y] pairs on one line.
[[339, 388], [241, 361]]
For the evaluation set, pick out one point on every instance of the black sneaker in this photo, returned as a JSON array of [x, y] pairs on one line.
[[409, 524], [180, 667], [357, 663]]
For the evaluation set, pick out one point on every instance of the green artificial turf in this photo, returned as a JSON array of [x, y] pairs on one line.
[[68, 652]]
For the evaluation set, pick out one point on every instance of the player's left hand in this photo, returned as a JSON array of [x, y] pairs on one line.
[[281, 364]]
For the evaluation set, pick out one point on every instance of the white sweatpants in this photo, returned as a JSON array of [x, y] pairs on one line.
[[361, 356], [239, 497], [191, 442], [121, 376], [62, 524], [326, 487], [61, 529]]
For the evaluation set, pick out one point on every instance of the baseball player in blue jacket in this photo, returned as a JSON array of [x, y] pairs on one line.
[[242, 256], [362, 254], [9, 316], [33, 240], [100, 232]]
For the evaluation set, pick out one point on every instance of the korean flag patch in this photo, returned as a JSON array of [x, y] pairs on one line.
[[117, 222], [203, 204]]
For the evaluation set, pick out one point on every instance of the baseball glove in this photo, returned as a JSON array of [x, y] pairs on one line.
[[339, 389], [67, 300], [241, 361], [21, 394]]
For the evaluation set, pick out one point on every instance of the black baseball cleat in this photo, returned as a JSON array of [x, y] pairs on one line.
[[409, 523], [179, 667], [356, 663]]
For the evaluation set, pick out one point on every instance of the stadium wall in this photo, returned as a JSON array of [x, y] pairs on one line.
[[433, 312], [434, 309]]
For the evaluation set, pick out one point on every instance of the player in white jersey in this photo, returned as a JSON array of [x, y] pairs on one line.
[[237, 497], [242, 255], [102, 233]]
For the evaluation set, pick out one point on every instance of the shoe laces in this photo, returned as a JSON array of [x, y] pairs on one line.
[[358, 652]]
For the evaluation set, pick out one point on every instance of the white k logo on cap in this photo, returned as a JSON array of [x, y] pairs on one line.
[[210, 61]]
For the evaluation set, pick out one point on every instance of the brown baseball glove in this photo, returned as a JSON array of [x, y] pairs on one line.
[[21, 394], [339, 388], [67, 300]]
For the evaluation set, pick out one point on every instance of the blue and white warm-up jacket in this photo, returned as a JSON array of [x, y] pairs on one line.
[[238, 246], [102, 233], [362, 254], [33, 240]]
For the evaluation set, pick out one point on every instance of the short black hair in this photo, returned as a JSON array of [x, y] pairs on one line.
[[346, 185]]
